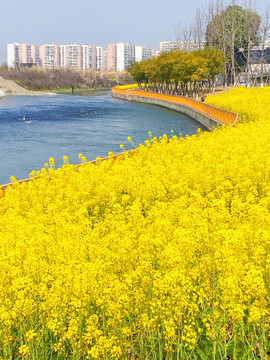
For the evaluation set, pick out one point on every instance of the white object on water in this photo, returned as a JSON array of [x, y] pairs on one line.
[[28, 122], [2, 93], [23, 118]]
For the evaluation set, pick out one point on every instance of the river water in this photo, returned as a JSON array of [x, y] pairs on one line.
[[35, 128]]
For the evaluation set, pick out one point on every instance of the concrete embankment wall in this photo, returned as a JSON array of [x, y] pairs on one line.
[[201, 118], [205, 114]]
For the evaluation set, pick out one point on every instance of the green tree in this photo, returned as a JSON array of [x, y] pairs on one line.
[[137, 71], [215, 60], [179, 70], [232, 29]]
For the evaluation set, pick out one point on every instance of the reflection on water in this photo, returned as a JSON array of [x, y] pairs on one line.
[[32, 129]]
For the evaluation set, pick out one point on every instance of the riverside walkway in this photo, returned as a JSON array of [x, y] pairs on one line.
[[208, 115]]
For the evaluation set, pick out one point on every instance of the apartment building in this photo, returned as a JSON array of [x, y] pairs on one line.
[[49, 56], [167, 46], [125, 55], [22, 55], [142, 53], [100, 58], [74, 56], [93, 57], [121, 54], [105, 59], [89, 57], [13, 55], [36, 54], [111, 57], [85, 56], [155, 53], [63, 56], [25, 53]]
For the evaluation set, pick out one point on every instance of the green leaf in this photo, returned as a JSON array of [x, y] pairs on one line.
[[201, 354]]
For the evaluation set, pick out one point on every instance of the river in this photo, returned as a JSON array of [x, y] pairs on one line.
[[35, 128]]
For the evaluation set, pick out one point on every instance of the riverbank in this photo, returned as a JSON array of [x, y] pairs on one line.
[[81, 91], [206, 115], [37, 79], [38, 127], [161, 255], [9, 87]]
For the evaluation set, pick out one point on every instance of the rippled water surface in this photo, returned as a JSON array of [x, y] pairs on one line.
[[34, 128]]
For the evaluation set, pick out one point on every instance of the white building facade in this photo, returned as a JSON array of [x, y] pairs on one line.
[[53, 56], [142, 53], [125, 55], [99, 58], [12, 55], [63, 56], [167, 46]]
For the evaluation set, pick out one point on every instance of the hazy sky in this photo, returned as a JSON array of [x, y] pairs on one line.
[[97, 22]]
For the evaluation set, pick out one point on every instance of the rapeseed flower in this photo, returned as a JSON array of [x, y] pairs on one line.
[[160, 253]]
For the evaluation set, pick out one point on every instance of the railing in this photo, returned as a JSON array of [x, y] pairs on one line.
[[120, 91], [4, 187], [217, 114]]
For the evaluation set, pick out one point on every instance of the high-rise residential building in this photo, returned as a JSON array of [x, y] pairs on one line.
[[37, 56], [21, 55], [120, 56], [93, 57], [167, 46], [139, 54], [34, 57], [49, 56], [13, 55], [52, 56], [85, 57], [155, 53], [63, 56], [105, 59], [142, 53], [74, 56], [100, 58], [89, 57], [24, 53], [125, 55], [111, 57]]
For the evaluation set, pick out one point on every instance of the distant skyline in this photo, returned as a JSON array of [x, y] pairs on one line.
[[144, 22]]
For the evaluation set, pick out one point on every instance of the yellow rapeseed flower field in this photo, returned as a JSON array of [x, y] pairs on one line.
[[129, 86], [161, 254], [251, 103]]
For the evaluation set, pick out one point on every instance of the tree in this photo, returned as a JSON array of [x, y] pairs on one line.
[[179, 70], [265, 29], [199, 29], [253, 21], [232, 29], [137, 71], [214, 63]]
